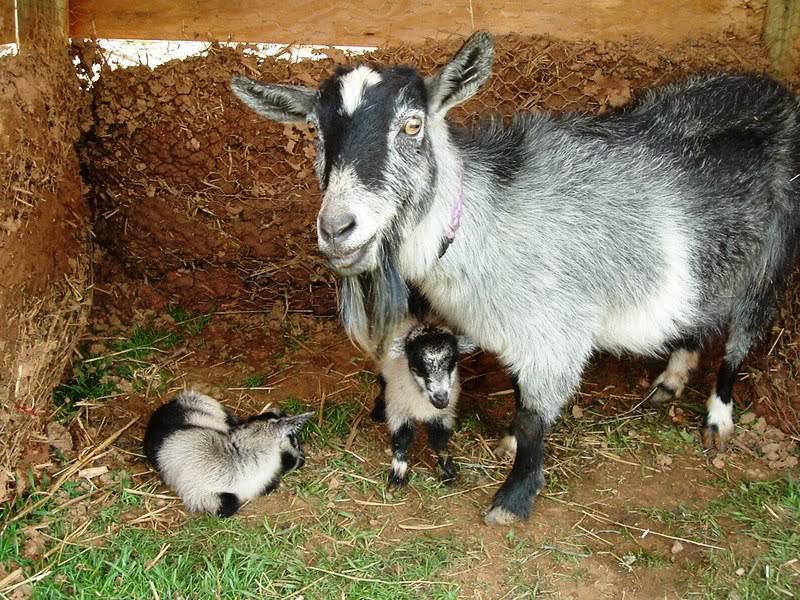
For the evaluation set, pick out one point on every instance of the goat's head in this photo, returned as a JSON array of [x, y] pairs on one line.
[[374, 160], [432, 353]]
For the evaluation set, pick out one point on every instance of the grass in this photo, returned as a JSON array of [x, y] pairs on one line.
[[132, 358], [210, 557], [764, 516], [337, 419], [768, 513], [253, 381], [191, 323]]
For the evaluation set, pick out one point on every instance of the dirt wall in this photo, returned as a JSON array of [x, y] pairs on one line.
[[45, 272]]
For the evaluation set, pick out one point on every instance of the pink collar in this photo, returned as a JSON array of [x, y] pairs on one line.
[[456, 214]]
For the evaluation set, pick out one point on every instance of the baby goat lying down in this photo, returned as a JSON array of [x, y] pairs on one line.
[[419, 381], [216, 461]]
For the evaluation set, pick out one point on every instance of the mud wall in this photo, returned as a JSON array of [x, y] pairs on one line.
[[45, 272]]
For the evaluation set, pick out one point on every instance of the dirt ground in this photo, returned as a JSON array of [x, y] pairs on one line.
[[629, 510], [207, 276]]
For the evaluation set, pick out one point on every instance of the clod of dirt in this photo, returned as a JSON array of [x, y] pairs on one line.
[[769, 444], [59, 437], [34, 544]]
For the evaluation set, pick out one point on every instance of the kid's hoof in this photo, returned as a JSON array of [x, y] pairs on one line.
[[502, 517], [662, 394], [397, 480], [449, 474], [398, 475]]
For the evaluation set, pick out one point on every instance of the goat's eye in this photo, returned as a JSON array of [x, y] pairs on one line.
[[312, 129], [413, 126]]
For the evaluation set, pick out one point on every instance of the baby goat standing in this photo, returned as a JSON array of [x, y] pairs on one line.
[[420, 383], [214, 460], [645, 230]]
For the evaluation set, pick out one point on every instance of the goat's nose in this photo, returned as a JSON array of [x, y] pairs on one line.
[[337, 228], [441, 399]]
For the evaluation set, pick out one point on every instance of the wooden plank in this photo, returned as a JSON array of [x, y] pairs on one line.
[[782, 35], [40, 20], [8, 33], [376, 22]]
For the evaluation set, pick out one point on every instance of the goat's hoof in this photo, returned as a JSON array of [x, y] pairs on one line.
[[498, 515], [449, 474], [715, 436], [507, 448], [662, 394], [398, 480]]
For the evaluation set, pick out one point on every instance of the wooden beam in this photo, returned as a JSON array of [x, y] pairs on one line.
[[8, 33], [376, 22], [782, 35], [41, 21]]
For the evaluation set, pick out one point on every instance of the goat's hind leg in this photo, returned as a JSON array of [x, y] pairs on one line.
[[672, 381], [750, 318]]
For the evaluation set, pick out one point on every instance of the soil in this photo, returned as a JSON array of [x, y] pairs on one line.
[[586, 477]]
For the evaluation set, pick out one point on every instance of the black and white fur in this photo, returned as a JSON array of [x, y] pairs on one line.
[[420, 384], [644, 230], [216, 461]]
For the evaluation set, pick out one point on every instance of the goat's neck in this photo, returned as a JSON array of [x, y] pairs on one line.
[[420, 251]]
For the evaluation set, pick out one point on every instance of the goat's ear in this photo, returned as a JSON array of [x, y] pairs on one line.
[[275, 101], [398, 347], [465, 345], [459, 79], [291, 425]]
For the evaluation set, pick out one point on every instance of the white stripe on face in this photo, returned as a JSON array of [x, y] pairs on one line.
[[353, 84]]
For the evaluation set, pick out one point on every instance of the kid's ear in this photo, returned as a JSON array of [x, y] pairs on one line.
[[398, 347], [465, 345], [293, 424]]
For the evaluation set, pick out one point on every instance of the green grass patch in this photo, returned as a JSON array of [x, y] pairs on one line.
[[97, 376], [253, 381], [337, 419], [209, 557], [759, 519], [189, 322]]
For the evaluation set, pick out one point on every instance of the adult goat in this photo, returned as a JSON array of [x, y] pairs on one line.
[[644, 230]]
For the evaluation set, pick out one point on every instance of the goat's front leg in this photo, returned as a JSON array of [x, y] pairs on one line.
[[514, 500], [402, 438], [438, 440]]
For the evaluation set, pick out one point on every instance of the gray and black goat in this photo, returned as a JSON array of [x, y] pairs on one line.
[[647, 230]]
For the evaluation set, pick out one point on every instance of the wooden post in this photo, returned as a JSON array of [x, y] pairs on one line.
[[41, 21], [782, 35]]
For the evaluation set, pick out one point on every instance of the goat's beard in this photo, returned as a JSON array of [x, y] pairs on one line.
[[372, 304]]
